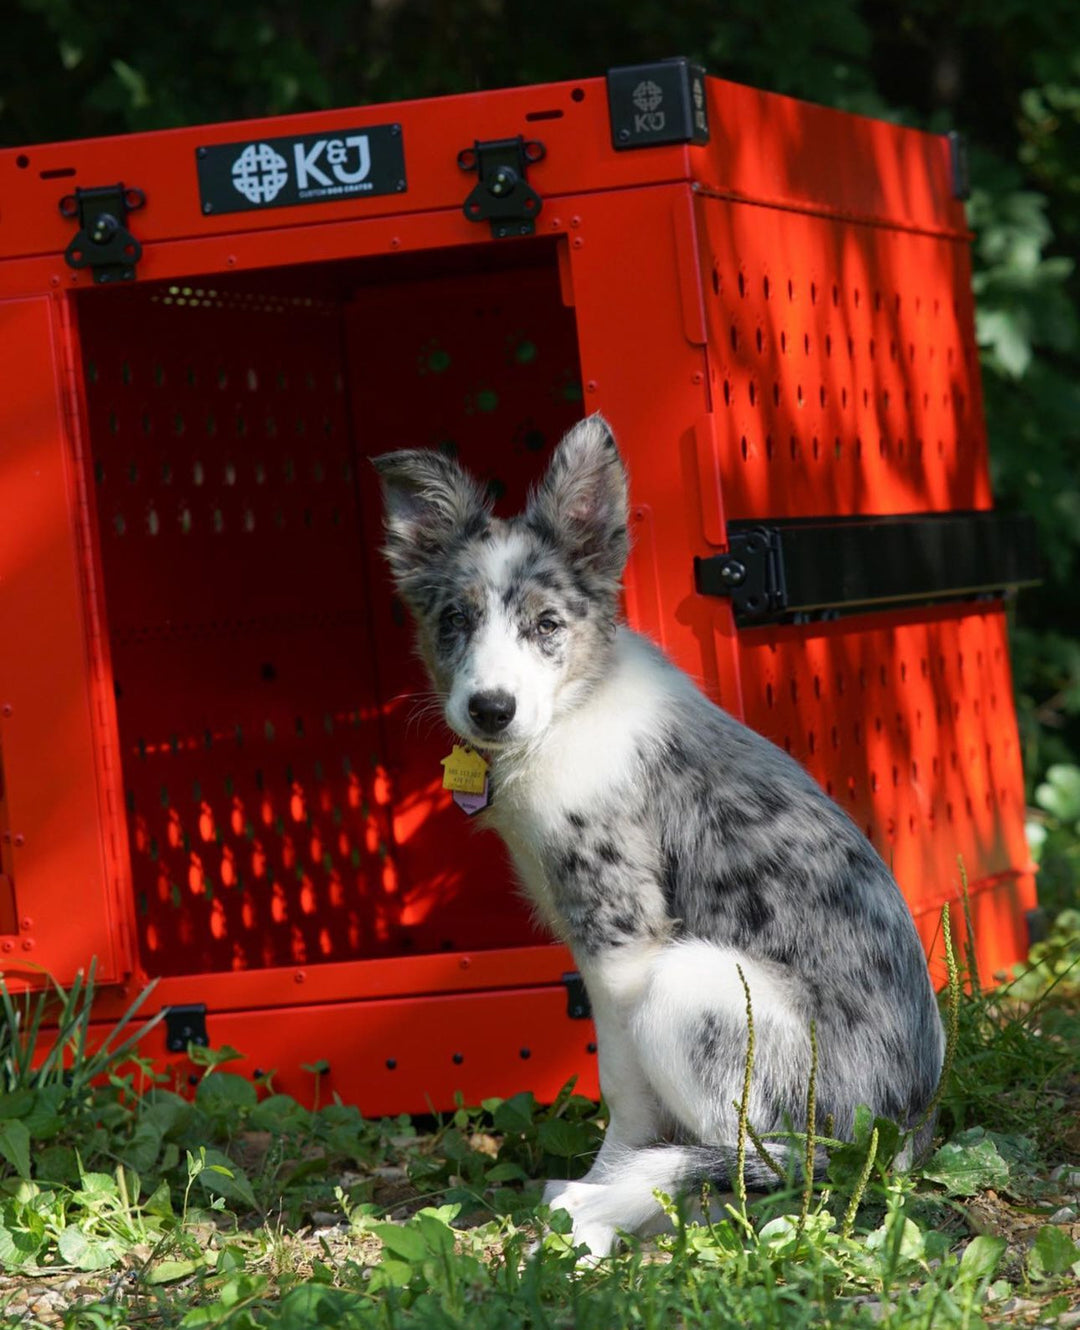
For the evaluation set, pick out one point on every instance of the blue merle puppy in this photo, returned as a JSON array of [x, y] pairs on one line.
[[665, 842]]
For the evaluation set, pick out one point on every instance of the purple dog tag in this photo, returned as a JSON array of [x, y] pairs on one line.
[[471, 803]]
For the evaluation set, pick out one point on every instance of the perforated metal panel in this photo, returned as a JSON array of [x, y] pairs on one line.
[[899, 717], [845, 374], [284, 801]]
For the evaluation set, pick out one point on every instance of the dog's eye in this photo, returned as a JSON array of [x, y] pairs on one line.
[[546, 626], [456, 619]]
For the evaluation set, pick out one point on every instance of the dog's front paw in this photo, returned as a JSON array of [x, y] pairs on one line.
[[584, 1203]]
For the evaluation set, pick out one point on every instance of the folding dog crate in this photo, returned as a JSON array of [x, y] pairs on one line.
[[218, 766]]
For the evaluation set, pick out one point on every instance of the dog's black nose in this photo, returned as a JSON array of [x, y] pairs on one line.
[[491, 712]]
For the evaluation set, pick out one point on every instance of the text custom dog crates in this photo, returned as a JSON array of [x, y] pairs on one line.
[[219, 763]]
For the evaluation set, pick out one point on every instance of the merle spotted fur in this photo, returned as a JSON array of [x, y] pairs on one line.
[[670, 846]]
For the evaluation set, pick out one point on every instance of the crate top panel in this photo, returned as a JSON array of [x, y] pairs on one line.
[[405, 160]]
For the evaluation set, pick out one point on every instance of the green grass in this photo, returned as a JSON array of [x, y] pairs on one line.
[[123, 1204]]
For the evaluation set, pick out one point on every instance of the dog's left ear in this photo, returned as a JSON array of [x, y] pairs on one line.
[[581, 502]]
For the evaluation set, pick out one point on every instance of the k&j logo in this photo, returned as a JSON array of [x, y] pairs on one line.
[[348, 159], [647, 97], [327, 167], [260, 173]]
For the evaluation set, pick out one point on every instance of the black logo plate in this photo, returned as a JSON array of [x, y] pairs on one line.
[[306, 168]]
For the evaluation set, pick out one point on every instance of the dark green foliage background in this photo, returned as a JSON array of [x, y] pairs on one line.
[[1005, 72]]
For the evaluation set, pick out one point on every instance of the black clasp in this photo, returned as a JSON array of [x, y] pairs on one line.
[[578, 1007], [185, 1025], [503, 195], [751, 573], [103, 243]]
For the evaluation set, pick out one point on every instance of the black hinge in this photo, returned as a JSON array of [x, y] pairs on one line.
[[185, 1025], [577, 999], [103, 242], [502, 194], [958, 165], [814, 565]]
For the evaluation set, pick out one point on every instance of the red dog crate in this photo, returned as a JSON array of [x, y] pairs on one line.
[[218, 766]]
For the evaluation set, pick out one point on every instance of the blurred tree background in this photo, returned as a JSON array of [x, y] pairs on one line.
[[1004, 72]]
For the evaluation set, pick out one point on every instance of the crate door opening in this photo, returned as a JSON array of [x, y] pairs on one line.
[[280, 765]]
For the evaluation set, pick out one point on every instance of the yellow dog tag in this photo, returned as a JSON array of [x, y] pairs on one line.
[[464, 771]]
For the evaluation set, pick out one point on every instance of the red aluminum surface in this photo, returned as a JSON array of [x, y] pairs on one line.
[[845, 370], [475, 1044], [778, 325], [760, 148], [62, 836], [906, 720]]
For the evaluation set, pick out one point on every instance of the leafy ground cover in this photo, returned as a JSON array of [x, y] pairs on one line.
[[124, 1204]]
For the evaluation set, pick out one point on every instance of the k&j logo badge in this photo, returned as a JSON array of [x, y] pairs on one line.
[[309, 168]]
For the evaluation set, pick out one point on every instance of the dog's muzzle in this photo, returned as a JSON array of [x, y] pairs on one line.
[[492, 712]]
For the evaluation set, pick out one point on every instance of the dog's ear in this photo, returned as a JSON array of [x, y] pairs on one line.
[[581, 502], [428, 501]]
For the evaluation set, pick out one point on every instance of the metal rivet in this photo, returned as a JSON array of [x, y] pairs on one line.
[[208, 207], [200, 152], [458, 1059], [590, 1048], [391, 1064], [526, 1053], [624, 135], [299, 976], [733, 573]]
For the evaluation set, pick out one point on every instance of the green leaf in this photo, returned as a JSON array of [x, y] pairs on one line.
[[566, 1139], [16, 1104], [1060, 793], [506, 1173], [279, 1113], [19, 1247], [515, 1114], [1053, 1253], [404, 1242], [967, 1165], [46, 1116], [980, 1259], [165, 1272], [86, 1252], [224, 1092], [437, 1235], [15, 1146], [221, 1177]]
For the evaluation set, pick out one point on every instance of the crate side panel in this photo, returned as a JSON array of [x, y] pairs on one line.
[[413, 1055], [61, 845], [844, 366], [906, 720]]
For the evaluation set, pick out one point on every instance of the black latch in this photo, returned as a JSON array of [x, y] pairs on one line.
[[185, 1025], [820, 565], [103, 243], [751, 573], [577, 999], [503, 195]]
